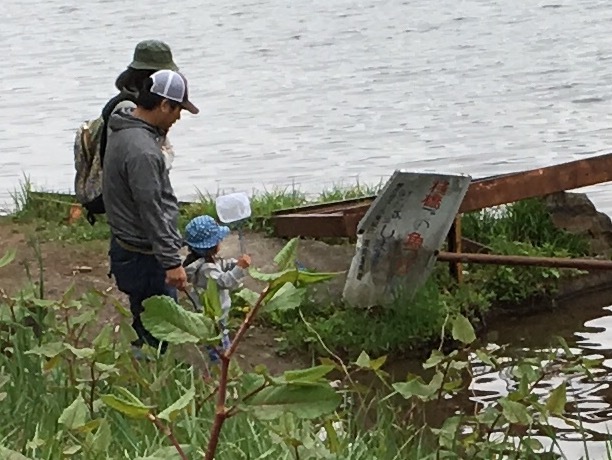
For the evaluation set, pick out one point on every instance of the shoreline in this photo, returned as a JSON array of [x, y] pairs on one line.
[[513, 289]]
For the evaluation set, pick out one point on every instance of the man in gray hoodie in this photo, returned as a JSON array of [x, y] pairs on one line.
[[141, 207]]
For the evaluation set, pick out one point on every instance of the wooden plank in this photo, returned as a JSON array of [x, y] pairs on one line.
[[312, 225], [483, 193], [325, 208], [537, 182]]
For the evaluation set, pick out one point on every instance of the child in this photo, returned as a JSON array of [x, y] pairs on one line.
[[203, 236]]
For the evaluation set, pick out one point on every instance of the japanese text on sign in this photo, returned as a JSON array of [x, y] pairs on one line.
[[433, 200]]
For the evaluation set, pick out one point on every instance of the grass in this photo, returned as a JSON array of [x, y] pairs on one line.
[[525, 221], [49, 211]]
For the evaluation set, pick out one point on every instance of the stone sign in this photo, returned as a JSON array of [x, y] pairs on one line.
[[398, 236]]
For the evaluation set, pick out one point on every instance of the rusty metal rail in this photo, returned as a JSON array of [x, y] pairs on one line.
[[340, 219], [558, 262]]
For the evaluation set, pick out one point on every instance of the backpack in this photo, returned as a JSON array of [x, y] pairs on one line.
[[89, 150]]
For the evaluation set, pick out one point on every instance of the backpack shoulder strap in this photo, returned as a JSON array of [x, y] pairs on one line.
[[106, 113]]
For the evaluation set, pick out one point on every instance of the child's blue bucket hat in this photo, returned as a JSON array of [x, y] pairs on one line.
[[203, 232]]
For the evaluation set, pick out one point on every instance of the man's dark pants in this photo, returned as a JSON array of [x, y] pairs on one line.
[[140, 276]]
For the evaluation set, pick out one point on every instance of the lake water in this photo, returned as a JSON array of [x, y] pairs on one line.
[[317, 93]]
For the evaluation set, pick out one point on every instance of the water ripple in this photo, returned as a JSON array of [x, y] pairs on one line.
[[319, 89]]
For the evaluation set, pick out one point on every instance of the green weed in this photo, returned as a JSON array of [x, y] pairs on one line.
[[48, 211]]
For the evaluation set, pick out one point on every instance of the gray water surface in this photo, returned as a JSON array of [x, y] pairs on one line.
[[316, 93]]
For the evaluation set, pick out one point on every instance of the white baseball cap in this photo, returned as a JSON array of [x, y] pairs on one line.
[[173, 86]]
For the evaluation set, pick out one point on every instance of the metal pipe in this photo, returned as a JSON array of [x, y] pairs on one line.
[[496, 259]]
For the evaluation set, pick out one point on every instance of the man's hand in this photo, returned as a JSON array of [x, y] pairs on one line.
[[177, 277]]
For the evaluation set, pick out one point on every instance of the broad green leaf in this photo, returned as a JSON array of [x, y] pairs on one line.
[[102, 438], [71, 450], [448, 432], [82, 353], [485, 358], [52, 363], [167, 320], [286, 298], [89, 426], [84, 318], [532, 444], [311, 375], [252, 382], [69, 293], [363, 360], [330, 362], [515, 412], [307, 278], [529, 371], [172, 411], [75, 415], [108, 368], [121, 309], [286, 257], [377, 363], [8, 257], [304, 401], [43, 303], [104, 338], [291, 276], [250, 297], [127, 334], [435, 358], [211, 301], [8, 454], [49, 350], [415, 387], [557, 399], [463, 330], [270, 277], [128, 406], [565, 346], [591, 363]]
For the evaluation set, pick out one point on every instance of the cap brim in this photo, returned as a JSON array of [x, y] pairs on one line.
[[190, 107]]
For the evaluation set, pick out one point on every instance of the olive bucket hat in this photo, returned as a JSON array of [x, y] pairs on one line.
[[152, 55]]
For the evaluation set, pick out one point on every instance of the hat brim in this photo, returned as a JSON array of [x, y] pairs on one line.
[[224, 230], [188, 105], [222, 233], [140, 65]]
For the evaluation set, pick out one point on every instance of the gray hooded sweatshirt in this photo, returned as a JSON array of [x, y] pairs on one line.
[[141, 207]]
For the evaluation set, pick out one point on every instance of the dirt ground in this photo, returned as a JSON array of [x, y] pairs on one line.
[[86, 265]]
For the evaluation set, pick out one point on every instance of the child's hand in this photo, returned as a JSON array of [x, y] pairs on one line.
[[244, 261]]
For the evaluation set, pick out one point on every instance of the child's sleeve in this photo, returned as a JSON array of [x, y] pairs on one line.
[[195, 276], [230, 279]]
